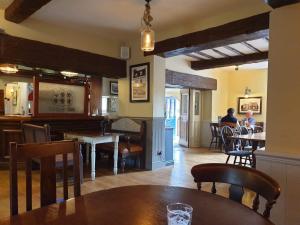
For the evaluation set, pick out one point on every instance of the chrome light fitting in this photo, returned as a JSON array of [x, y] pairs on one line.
[[247, 92], [147, 34]]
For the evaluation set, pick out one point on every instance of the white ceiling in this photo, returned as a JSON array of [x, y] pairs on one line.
[[122, 17]]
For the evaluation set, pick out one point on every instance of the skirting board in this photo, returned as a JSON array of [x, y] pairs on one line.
[[286, 170]]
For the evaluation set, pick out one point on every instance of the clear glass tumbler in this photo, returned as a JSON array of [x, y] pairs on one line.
[[179, 214]]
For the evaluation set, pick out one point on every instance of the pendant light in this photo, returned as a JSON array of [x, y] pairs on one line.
[[147, 34]]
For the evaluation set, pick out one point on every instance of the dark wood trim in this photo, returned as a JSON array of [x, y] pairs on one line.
[[220, 53], [279, 3], [205, 55], [247, 29], [34, 54], [186, 80], [20, 10], [232, 61], [194, 56], [36, 113], [148, 85]]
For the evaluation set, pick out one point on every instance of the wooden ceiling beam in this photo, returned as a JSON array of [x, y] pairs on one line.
[[186, 80], [233, 50], [279, 3], [205, 55], [232, 61], [250, 46], [247, 29], [220, 53], [20, 10], [34, 54]]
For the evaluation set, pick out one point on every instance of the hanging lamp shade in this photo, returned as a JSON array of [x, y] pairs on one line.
[[147, 39]]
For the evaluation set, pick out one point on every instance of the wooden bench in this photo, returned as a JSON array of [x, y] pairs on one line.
[[132, 143]]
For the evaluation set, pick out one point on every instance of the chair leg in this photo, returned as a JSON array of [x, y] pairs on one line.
[[234, 162], [227, 160], [211, 142]]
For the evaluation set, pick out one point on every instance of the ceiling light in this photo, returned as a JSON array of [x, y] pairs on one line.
[[8, 68], [247, 92], [69, 74], [236, 68], [147, 34]]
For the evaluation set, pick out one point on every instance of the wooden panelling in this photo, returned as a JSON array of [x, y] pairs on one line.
[[20, 10], [1, 102], [232, 61], [38, 54], [280, 3], [190, 81], [96, 95], [251, 28]]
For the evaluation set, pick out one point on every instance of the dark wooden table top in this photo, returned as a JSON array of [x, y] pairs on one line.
[[139, 205]]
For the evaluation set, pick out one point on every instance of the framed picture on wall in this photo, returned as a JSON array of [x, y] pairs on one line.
[[140, 83], [114, 90], [253, 103]]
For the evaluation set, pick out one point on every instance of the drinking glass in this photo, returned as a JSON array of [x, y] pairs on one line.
[[179, 214]]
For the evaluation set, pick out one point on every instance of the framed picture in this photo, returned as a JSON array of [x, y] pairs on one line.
[[114, 90], [252, 103], [140, 83]]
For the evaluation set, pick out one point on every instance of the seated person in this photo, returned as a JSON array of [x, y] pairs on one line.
[[249, 121], [229, 119]]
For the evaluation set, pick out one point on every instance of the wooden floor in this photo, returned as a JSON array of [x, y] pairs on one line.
[[177, 175]]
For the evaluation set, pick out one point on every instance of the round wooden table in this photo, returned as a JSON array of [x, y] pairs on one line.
[[140, 205]]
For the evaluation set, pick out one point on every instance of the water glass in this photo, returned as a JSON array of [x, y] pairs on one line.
[[179, 214]]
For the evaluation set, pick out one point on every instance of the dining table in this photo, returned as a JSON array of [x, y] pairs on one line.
[[254, 138], [140, 205], [92, 138]]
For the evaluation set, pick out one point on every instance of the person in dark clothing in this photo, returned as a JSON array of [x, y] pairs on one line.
[[229, 119]]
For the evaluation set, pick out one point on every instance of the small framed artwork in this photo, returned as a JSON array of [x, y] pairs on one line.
[[140, 83], [114, 90], [252, 103]]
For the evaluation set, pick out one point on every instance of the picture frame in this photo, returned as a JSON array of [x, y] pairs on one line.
[[139, 82], [251, 103], [114, 89]]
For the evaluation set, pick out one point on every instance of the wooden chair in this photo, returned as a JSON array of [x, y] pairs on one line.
[[233, 148], [215, 135], [239, 178], [46, 152], [132, 143], [41, 134]]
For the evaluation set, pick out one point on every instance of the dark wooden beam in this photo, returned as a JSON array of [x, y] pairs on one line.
[[194, 56], [205, 55], [220, 53], [250, 47], [233, 50], [279, 3], [20, 10], [247, 29], [190, 81], [236, 60], [34, 54]]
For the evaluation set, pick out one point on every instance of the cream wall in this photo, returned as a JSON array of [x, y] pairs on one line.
[[283, 86], [41, 31]]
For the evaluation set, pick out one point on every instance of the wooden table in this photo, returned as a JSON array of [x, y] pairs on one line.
[[140, 205], [255, 139], [94, 138]]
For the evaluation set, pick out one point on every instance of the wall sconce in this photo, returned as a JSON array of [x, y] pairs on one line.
[[247, 92], [8, 68]]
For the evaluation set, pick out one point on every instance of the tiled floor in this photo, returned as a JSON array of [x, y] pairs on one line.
[[177, 175]]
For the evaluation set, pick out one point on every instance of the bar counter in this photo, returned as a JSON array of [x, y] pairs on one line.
[[58, 125]]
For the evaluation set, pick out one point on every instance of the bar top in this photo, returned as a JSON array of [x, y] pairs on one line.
[[32, 118]]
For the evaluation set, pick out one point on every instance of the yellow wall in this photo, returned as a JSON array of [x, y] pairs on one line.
[[41, 31], [256, 80], [284, 81], [231, 85]]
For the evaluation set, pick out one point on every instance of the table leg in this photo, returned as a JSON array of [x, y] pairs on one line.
[[254, 148], [93, 162], [116, 149], [87, 153]]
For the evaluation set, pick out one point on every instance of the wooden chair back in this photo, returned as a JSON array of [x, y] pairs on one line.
[[228, 144], [36, 134], [258, 129], [46, 153], [214, 128], [239, 177]]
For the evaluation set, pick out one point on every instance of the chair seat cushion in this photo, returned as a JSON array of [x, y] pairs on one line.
[[133, 148], [239, 153]]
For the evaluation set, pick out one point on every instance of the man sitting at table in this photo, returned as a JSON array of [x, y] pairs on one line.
[[229, 119], [249, 121]]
